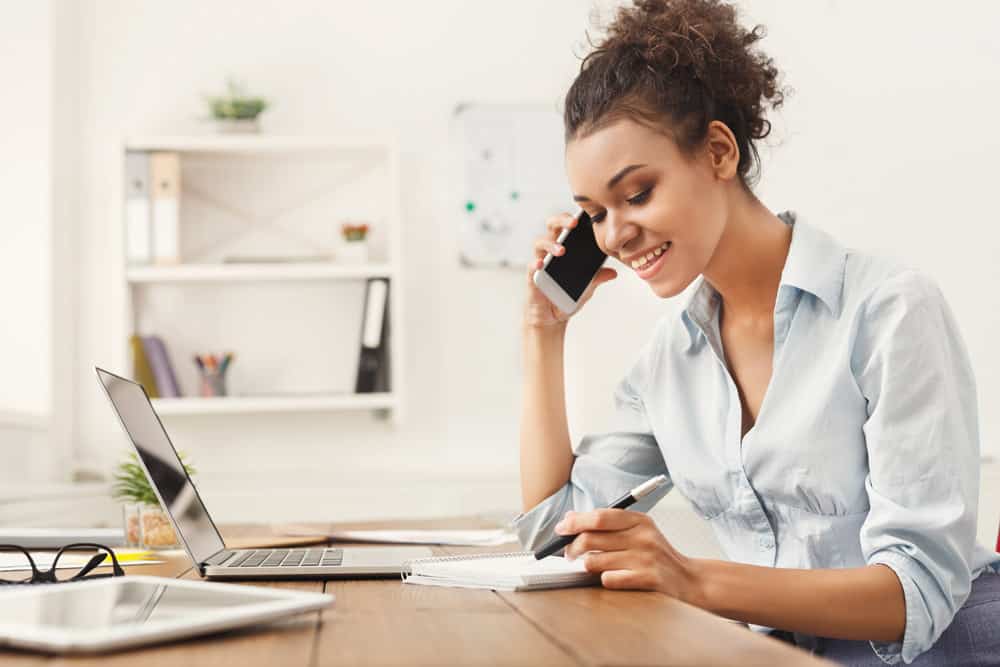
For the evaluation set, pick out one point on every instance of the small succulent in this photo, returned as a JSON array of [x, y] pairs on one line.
[[237, 104], [131, 484], [352, 232]]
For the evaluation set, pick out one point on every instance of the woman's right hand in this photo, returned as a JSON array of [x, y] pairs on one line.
[[540, 313]]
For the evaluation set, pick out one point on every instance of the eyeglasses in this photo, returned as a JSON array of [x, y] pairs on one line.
[[55, 574]]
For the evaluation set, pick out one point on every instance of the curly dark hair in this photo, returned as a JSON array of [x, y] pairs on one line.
[[678, 65]]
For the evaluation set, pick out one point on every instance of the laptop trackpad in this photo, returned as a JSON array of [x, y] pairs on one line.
[[383, 556]]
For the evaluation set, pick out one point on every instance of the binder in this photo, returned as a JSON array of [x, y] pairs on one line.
[[163, 370], [138, 232], [373, 361], [165, 183], [140, 367]]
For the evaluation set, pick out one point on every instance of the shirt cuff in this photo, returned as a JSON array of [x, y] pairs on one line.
[[917, 626], [534, 527]]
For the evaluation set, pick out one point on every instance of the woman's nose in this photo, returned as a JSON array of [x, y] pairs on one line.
[[618, 233]]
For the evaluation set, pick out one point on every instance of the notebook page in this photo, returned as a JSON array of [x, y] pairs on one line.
[[501, 571]]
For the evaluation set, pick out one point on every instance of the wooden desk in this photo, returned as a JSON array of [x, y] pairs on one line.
[[384, 622]]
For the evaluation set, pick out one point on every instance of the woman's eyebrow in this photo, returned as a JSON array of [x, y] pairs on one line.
[[622, 173]]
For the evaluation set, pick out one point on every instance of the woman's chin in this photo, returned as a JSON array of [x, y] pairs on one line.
[[667, 288]]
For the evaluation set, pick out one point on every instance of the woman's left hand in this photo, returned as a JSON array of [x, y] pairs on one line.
[[630, 552]]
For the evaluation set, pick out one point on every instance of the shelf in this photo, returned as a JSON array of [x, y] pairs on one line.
[[182, 273], [254, 143], [287, 187], [249, 404]]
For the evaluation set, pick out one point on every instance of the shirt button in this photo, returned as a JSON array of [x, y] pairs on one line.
[[766, 542]]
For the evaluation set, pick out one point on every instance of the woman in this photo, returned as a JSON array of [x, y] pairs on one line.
[[815, 404]]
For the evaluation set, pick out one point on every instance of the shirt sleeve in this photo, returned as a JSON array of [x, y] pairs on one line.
[[605, 467], [922, 437]]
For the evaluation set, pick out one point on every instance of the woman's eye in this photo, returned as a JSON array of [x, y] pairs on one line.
[[640, 198], [634, 200]]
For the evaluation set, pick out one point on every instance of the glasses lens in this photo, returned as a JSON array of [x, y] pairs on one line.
[[15, 568], [74, 562]]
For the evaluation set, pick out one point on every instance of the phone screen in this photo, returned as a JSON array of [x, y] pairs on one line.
[[574, 269]]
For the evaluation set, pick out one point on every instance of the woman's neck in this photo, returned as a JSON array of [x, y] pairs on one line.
[[746, 266]]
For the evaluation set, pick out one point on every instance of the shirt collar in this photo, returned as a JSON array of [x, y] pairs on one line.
[[815, 264]]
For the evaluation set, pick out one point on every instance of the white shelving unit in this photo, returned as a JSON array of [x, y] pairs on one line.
[[252, 404], [269, 195], [193, 273]]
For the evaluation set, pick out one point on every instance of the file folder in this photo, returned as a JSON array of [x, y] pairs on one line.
[[165, 177], [373, 363], [138, 232]]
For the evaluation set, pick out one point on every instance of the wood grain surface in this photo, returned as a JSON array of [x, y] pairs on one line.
[[386, 622]]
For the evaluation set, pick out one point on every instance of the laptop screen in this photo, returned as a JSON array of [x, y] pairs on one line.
[[163, 466]]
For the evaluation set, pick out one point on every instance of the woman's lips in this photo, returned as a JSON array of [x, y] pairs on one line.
[[651, 269]]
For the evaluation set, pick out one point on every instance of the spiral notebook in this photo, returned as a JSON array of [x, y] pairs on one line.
[[515, 571]]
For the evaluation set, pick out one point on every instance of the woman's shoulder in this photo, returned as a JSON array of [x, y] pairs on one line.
[[874, 283], [659, 344]]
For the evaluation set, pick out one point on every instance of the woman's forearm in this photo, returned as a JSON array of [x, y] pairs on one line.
[[546, 452], [862, 603]]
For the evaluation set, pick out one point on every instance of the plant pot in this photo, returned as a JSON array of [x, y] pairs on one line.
[[237, 125], [130, 525], [155, 529], [353, 252]]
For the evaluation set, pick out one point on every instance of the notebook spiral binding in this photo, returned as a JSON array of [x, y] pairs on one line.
[[407, 568]]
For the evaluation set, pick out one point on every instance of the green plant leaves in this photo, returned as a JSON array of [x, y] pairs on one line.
[[237, 104], [130, 482]]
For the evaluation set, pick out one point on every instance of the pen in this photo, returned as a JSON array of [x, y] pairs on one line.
[[644, 489]]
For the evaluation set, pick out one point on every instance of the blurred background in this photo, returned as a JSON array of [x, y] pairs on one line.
[[376, 114]]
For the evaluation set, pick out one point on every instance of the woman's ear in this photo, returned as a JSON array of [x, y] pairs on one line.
[[723, 150]]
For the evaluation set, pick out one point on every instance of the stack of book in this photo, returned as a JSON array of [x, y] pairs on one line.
[[153, 369]]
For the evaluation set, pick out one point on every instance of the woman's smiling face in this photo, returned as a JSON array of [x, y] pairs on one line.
[[656, 210]]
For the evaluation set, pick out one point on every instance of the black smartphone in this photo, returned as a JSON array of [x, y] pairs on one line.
[[564, 278]]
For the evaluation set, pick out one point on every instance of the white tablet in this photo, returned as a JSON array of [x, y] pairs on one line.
[[108, 614]]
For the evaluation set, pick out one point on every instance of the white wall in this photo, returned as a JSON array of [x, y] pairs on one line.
[[25, 224], [39, 187], [38, 126], [882, 145]]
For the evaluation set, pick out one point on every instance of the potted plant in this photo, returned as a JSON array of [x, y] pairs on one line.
[[354, 248], [146, 523], [236, 111]]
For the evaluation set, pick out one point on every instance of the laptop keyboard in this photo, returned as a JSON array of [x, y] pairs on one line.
[[283, 558]]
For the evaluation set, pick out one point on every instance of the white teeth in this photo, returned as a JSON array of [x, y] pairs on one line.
[[642, 263]]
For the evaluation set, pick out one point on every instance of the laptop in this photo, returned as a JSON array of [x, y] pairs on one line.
[[177, 493]]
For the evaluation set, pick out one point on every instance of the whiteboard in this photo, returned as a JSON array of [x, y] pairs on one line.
[[512, 178]]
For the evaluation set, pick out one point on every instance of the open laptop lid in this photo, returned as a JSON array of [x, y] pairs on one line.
[[170, 481]]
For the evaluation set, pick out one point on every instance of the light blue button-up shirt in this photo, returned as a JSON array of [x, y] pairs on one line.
[[865, 449]]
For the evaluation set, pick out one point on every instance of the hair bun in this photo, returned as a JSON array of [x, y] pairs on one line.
[[688, 60]]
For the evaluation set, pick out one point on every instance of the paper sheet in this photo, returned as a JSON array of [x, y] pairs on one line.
[[10, 562], [476, 538]]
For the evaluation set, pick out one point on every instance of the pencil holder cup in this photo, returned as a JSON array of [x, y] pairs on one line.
[[213, 384]]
